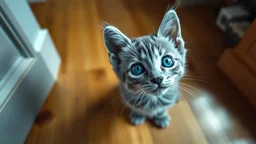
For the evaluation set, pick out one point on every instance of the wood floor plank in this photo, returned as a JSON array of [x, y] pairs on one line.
[[85, 106]]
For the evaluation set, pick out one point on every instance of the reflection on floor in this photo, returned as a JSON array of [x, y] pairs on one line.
[[84, 106]]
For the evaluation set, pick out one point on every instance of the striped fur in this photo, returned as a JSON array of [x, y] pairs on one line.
[[139, 93]]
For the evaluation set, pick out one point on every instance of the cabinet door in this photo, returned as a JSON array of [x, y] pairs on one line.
[[29, 65], [9, 55], [246, 49], [10, 60]]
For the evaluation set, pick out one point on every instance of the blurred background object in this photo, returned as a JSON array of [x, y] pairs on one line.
[[231, 14], [189, 3], [235, 18], [239, 64], [237, 21]]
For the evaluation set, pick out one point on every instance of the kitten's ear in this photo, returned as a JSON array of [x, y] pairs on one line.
[[115, 40], [170, 26]]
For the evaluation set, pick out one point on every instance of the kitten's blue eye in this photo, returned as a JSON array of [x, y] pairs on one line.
[[167, 61], [137, 69]]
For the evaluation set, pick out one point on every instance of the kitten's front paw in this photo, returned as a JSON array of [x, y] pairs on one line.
[[162, 122], [137, 119]]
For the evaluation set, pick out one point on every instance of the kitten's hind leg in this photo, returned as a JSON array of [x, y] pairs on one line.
[[162, 119], [137, 118]]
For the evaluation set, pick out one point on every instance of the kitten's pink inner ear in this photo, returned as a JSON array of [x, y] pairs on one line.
[[177, 42], [174, 32], [113, 59]]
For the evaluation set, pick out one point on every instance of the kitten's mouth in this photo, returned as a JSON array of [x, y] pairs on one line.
[[158, 89]]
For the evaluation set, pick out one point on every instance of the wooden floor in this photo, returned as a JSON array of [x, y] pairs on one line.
[[84, 105]]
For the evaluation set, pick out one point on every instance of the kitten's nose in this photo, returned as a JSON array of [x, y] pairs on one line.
[[157, 80]]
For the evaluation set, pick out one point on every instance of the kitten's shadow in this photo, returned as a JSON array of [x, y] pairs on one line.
[[111, 107], [107, 117], [102, 119]]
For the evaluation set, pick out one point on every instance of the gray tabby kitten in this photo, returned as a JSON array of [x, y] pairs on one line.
[[149, 69]]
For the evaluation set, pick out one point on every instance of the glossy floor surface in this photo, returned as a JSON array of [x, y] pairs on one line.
[[84, 106]]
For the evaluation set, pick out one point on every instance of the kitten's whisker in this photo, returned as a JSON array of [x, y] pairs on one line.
[[134, 104], [183, 94], [124, 93], [187, 78], [188, 85], [143, 94], [114, 99], [146, 86], [153, 29], [180, 91], [193, 76], [189, 91], [186, 91], [117, 97], [133, 95]]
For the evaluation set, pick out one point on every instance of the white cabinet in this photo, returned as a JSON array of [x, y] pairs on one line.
[[9, 55], [29, 65]]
